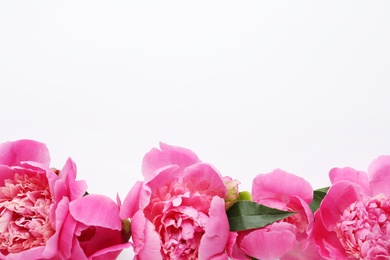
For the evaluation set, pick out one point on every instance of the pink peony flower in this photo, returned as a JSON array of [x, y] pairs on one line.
[[43, 214], [353, 221], [178, 211], [289, 238]]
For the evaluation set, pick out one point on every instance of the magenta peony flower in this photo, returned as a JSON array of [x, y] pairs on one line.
[[289, 238], [43, 214], [353, 221], [178, 211]]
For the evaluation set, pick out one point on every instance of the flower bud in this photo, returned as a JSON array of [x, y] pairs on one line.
[[232, 191]]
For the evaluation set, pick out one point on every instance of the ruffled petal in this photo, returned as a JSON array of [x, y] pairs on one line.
[[166, 176], [351, 175], [34, 253], [95, 239], [61, 242], [6, 172], [109, 252], [232, 249], [379, 174], [12, 153], [131, 202], [267, 244], [302, 252], [76, 189], [105, 211], [51, 176], [203, 178], [303, 219], [328, 243], [77, 252], [168, 155], [280, 185], [338, 198], [215, 238], [147, 244]]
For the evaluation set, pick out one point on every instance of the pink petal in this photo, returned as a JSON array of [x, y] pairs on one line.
[[6, 217], [6, 173], [168, 155], [109, 253], [379, 173], [12, 153], [67, 235], [339, 197], [146, 239], [131, 203], [306, 216], [34, 253], [216, 236], [301, 252], [96, 210], [53, 243], [76, 189], [268, 244], [33, 167], [179, 155], [166, 176], [280, 185], [58, 188], [77, 252], [328, 243], [51, 176], [203, 178], [232, 249], [100, 239], [29, 168], [351, 175], [61, 242]]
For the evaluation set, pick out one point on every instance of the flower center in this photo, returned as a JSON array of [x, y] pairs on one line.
[[24, 213], [364, 228], [181, 230], [299, 219]]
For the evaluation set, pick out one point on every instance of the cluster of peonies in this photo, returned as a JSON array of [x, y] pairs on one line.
[[185, 209]]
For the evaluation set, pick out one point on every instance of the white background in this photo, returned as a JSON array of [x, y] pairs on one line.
[[248, 85]]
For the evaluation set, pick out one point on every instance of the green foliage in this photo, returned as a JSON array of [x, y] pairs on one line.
[[318, 196], [244, 215]]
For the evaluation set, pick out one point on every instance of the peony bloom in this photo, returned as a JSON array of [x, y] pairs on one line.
[[43, 214], [353, 221], [289, 238], [178, 211]]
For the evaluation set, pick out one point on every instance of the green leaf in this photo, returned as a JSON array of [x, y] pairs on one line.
[[244, 215], [325, 189], [318, 196]]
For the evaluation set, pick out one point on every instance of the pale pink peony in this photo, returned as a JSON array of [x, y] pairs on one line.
[[289, 238], [25, 204], [353, 221], [178, 211], [43, 214]]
